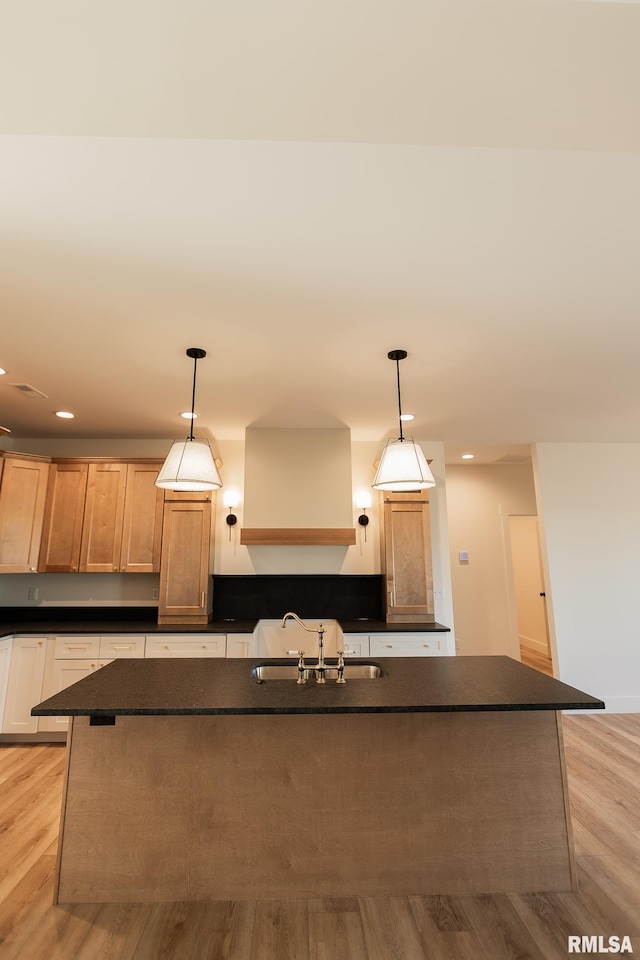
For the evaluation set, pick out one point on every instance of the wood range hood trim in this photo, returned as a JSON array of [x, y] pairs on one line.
[[298, 536]]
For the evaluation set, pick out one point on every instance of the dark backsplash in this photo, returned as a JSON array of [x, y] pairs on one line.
[[320, 595]]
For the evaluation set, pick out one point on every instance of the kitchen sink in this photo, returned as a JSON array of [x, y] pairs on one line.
[[289, 671]]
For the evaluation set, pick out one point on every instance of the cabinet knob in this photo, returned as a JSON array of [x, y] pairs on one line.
[[32, 569], [165, 646], [389, 646]]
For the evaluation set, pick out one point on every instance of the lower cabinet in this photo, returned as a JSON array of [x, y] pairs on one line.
[[75, 657], [25, 684], [355, 645], [396, 644], [5, 664], [186, 645], [403, 645]]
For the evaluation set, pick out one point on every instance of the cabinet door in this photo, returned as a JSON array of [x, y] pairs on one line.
[[62, 529], [142, 528], [25, 684], [22, 499], [5, 664], [103, 516], [184, 566], [65, 672], [406, 559], [240, 645]]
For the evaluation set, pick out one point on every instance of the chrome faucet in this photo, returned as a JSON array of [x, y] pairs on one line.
[[320, 669]]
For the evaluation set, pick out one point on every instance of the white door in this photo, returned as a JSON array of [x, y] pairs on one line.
[[533, 632]]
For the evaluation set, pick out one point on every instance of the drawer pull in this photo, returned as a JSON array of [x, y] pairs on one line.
[[389, 646], [121, 646], [77, 648]]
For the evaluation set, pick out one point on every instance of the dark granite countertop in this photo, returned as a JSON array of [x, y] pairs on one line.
[[100, 620], [218, 686], [381, 626], [53, 625]]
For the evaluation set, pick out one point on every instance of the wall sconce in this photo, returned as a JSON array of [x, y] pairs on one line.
[[363, 501], [231, 499]]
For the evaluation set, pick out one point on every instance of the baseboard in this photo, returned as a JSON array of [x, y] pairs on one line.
[[536, 646]]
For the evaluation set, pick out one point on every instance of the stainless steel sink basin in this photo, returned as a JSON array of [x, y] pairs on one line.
[[289, 671]]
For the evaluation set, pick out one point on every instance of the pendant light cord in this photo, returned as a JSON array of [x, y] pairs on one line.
[[193, 396], [399, 400]]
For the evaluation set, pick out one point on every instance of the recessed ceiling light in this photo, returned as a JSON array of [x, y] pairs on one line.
[[467, 456], [189, 416], [65, 415], [2, 371], [407, 416]]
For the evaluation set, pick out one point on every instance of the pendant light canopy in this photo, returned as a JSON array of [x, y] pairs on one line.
[[190, 465], [403, 466]]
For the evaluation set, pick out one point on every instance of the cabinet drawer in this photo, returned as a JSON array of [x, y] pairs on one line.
[[195, 646], [121, 646], [399, 645], [72, 648]]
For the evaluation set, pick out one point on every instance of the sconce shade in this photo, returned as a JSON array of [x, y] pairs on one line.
[[189, 467], [403, 467]]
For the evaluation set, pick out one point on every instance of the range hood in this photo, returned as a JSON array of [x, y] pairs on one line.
[[298, 487]]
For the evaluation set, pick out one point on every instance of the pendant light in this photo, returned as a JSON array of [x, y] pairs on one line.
[[190, 465], [403, 466]]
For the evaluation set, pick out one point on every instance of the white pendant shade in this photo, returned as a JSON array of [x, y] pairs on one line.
[[189, 467], [403, 466]]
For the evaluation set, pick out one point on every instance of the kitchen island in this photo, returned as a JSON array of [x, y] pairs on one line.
[[188, 780]]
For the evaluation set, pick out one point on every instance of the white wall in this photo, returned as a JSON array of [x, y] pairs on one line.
[[480, 499], [589, 508]]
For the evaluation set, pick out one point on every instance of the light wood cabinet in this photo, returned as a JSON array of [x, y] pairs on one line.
[[142, 523], [102, 517], [185, 584], [60, 552], [406, 557], [23, 493]]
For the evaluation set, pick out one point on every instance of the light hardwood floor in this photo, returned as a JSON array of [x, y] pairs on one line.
[[602, 756], [536, 660]]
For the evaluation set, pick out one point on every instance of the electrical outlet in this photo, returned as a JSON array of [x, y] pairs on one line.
[[438, 593], [32, 593], [154, 593]]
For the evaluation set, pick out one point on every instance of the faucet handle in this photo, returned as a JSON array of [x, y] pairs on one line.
[[301, 665]]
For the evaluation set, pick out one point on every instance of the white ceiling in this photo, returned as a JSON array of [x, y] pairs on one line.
[[300, 188]]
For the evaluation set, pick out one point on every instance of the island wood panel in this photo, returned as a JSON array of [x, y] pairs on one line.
[[256, 807]]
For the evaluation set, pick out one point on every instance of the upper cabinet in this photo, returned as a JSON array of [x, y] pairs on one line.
[[185, 583], [406, 557], [102, 516], [23, 491]]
